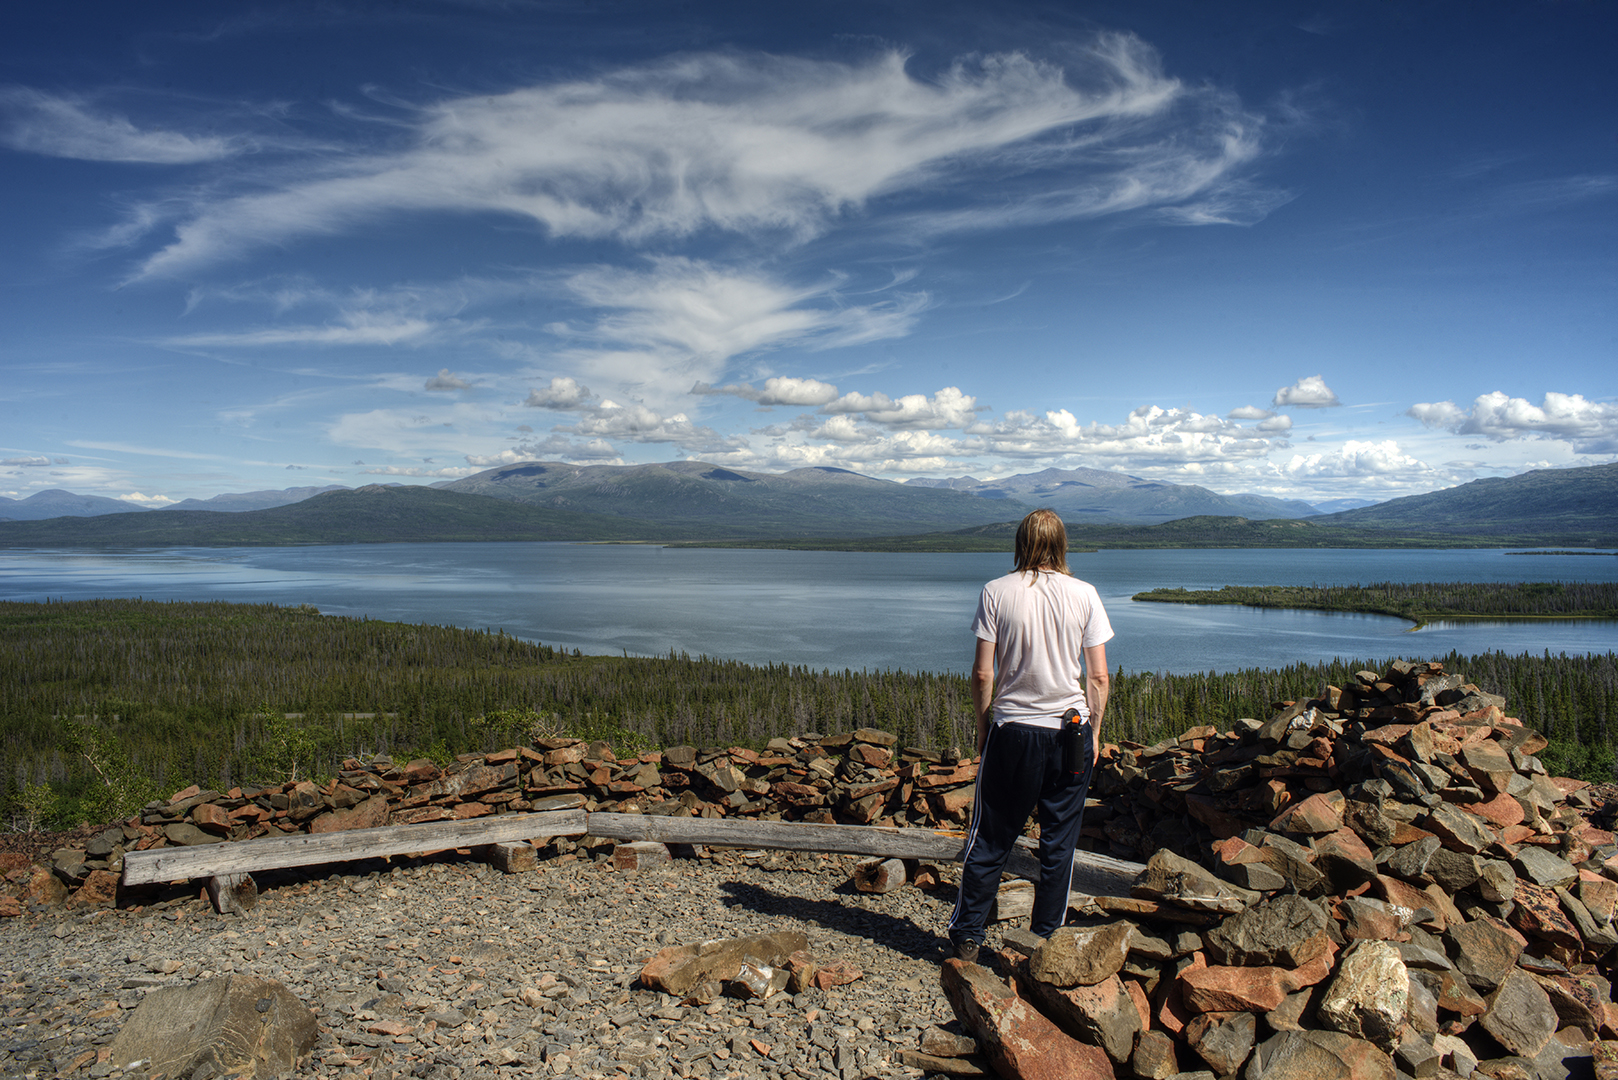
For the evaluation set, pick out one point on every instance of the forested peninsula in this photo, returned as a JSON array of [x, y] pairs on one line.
[[105, 703], [1419, 601]]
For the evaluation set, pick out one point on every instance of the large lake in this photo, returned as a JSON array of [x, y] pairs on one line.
[[824, 609]]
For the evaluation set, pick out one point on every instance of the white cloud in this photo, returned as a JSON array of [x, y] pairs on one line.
[[948, 408], [1150, 436], [354, 328], [1177, 445], [40, 123], [563, 393], [758, 144], [1310, 392], [1591, 427], [445, 382], [637, 423], [1249, 412], [780, 390], [860, 450], [1439, 414], [147, 500], [1360, 459], [680, 321], [555, 448], [844, 429], [31, 462]]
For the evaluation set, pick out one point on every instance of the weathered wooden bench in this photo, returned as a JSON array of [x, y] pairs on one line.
[[228, 866]]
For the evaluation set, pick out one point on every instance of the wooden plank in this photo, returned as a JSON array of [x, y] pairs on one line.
[[1096, 875], [1093, 874], [883, 842], [270, 853]]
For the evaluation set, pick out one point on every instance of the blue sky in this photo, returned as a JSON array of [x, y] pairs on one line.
[[1340, 250]]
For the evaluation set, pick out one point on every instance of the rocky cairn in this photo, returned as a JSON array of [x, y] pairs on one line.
[[858, 778], [1382, 881], [1378, 882]]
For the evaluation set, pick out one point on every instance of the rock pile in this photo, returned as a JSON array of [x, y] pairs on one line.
[[858, 778], [1379, 881]]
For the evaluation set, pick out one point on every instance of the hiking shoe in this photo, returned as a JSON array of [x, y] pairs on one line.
[[966, 950]]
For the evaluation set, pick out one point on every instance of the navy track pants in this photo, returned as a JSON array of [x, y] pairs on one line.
[[1022, 771]]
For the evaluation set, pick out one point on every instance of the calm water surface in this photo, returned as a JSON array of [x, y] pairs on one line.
[[823, 609]]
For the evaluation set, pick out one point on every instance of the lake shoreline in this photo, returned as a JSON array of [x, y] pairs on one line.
[[825, 610]]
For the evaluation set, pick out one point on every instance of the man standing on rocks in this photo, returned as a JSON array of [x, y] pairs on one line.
[[1041, 651]]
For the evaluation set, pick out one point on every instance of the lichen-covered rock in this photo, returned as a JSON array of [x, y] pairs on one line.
[[1369, 995]]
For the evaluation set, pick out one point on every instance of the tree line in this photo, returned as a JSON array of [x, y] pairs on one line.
[[107, 701], [1419, 601]]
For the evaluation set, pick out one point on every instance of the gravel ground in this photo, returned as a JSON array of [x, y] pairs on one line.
[[445, 967]]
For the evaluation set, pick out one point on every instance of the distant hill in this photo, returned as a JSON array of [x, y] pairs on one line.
[[714, 501], [237, 501], [1332, 506], [371, 514], [1098, 497], [1185, 533], [55, 503], [1573, 503]]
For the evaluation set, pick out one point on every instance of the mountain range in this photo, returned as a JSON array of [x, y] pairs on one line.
[[696, 492], [691, 495], [702, 502], [1098, 497]]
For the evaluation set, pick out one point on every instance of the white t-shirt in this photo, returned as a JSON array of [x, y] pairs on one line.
[[1040, 631]]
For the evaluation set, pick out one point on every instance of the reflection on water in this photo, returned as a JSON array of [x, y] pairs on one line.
[[824, 609]]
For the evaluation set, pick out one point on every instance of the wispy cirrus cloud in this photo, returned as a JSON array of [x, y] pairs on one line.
[[761, 145], [73, 127], [676, 322], [145, 451], [399, 315], [354, 328]]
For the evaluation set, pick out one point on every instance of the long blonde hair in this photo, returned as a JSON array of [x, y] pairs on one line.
[[1042, 543]]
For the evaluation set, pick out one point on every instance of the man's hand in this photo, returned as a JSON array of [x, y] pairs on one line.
[[983, 689], [1096, 683]]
